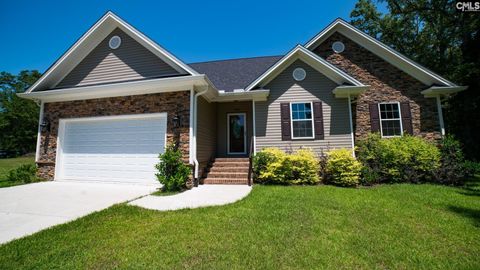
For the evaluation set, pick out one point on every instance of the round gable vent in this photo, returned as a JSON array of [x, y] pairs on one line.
[[338, 46], [299, 74], [114, 42]]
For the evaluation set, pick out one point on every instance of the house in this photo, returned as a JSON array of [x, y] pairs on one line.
[[112, 102]]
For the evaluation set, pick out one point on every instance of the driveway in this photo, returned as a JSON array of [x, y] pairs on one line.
[[30, 208]]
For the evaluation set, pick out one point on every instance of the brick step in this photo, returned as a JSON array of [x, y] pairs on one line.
[[225, 181], [228, 169], [231, 160], [230, 164], [242, 175]]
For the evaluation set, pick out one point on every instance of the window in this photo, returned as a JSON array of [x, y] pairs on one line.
[[390, 121], [302, 120]]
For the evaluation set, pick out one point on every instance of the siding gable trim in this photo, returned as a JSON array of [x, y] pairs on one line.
[[315, 61], [90, 40]]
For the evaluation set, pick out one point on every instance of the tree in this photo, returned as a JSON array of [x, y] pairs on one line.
[[437, 35], [18, 116]]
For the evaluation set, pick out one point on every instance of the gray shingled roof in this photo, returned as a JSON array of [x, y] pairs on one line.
[[233, 74]]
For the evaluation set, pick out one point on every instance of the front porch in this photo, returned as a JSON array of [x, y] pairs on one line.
[[224, 141]]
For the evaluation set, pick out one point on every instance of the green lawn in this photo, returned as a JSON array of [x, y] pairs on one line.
[[400, 226], [6, 164]]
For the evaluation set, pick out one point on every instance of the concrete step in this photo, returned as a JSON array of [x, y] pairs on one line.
[[225, 181], [231, 159], [242, 175], [228, 169]]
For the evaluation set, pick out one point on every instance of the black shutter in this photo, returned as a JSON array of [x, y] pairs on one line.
[[318, 120], [285, 118], [406, 117], [374, 117]]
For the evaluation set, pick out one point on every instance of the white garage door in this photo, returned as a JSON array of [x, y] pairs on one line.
[[111, 149]]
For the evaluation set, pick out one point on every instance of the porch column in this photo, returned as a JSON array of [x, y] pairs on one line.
[[440, 116]]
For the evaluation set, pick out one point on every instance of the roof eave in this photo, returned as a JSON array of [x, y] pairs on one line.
[[171, 84], [344, 91], [436, 91]]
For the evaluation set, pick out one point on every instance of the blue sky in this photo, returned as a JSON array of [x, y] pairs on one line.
[[37, 33]]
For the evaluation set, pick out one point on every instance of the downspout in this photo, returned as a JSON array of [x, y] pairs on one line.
[[39, 133], [351, 124], [194, 141]]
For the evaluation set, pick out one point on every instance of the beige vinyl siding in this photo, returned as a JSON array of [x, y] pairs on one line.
[[232, 107], [206, 131], [131, 61], [315, 87]]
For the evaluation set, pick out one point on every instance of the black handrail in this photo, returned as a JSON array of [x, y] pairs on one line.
[[250, 163]]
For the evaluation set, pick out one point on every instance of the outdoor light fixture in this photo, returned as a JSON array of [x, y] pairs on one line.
[[45, 125], [176, 121]]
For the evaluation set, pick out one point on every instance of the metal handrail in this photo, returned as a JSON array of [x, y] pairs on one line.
[[250, 163]]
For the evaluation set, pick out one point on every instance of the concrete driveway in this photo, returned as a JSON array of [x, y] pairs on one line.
[[30, 208]]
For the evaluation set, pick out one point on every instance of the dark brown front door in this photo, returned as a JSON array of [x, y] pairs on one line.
[[237, 133]]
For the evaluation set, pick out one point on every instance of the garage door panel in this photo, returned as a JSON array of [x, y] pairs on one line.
[[112, 150]]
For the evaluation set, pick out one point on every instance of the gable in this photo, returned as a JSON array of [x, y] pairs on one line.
[[315, 61], [401, 62], [364, 65], [314, 83], [131, 61]]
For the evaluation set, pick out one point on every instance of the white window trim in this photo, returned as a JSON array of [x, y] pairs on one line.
[[291, 120], [244, 134], [400, 119]]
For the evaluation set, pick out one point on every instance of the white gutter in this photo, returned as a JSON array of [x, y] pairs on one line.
[[141, 87], [442, 90], [39, 133], [194, 140]]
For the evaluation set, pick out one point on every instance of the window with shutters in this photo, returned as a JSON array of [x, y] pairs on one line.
[[390, 119], [302, 120]]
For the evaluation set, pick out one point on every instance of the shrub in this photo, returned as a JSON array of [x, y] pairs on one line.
[[399, 159], [274, 166], [24, 174], [452, 169], [472, 167], [342, 168], [172, 173]]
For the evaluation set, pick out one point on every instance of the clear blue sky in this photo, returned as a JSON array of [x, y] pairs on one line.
[[37, 33]]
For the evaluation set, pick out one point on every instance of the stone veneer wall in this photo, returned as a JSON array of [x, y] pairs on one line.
[[172, 103], [387, 83]]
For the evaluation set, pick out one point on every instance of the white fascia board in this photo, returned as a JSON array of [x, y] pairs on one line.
[[388, 54], [256, 95], [435, 91], [346, 91], [88, 41], [119, 89], [310, 58]]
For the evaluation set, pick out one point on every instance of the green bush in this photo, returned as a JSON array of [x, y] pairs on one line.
[[274, 166], [472, 167], [399, 159], [452, 170], [172, 173], [342, 168], [25, 173]]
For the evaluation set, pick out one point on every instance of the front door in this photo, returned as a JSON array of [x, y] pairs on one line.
[[237, 133]]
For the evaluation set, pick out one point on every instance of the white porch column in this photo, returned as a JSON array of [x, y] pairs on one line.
[[254, 137], [440, 116], [351, 124]]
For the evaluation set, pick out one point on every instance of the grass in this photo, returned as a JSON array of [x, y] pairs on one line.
[[6, 164], [401, 226]]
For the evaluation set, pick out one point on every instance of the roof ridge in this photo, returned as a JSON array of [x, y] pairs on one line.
[[232, 59]]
